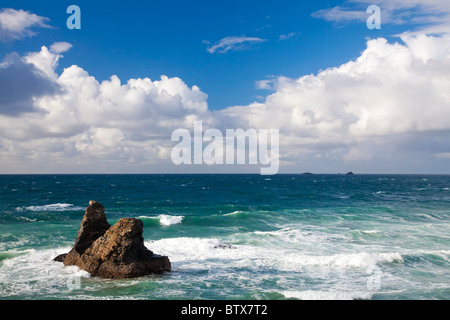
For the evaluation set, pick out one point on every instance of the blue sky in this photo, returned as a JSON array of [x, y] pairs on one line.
[[106, 98]]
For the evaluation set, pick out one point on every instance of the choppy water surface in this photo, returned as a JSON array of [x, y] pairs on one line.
[[236, 236]]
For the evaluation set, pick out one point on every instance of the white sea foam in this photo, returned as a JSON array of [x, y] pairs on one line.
[[294, 235], [34, 272], [51, 207], [370, 231], [361, 259], [9, 241], [186, 250], [167, 220], [338, 276], [234, 213]]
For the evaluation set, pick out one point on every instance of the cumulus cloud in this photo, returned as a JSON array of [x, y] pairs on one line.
[[18, 24], [389, 93], [387, 109], [85, 120], [24, 79], [20, 83], [234, 43]]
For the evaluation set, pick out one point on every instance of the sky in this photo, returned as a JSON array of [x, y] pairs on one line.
[[107, 97]]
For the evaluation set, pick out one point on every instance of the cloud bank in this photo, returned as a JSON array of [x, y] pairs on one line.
[[71, 119], [371, 108], [388, 110]]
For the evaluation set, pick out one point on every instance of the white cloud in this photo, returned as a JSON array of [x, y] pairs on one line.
[[340, 14], [283, 37], [266, 84], [354, 111], [429, 16], [60, 47], [234, 43], [21, 82], [387, 109], [47, 59], [18, 24], [88, 121]]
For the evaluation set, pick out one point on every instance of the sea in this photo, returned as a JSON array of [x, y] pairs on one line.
[[236, 236]]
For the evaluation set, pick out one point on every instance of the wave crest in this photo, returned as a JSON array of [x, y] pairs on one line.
[[51, 207], [165, 219]]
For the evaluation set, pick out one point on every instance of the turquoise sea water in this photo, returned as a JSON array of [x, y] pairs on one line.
[[236, 236]]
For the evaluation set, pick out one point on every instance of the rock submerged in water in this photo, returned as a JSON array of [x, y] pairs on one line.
[[112, 252]]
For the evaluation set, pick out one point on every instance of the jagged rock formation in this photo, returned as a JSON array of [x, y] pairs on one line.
[[112, 252]]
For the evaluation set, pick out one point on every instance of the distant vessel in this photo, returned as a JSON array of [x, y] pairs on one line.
[[308, 173]]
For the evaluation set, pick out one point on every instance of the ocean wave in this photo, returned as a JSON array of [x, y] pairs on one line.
[[192, 249], [33, 273], [361, 259], [433, 256], [164, 219], [9, 241], [51, 207], [370, 231], [294, 235], [251, 256], [234, 213], [167, 220]]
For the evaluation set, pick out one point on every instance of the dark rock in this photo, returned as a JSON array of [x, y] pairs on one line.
[[93, 226], [224, 246], [349, 173], [121, 253], [112, 252], [60, 258]]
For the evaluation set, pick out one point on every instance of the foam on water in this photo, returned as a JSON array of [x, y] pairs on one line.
[[51, 207], [205, 261], [331, 276], [296, 235], [370, 231], [242, 238], [198, 249], [234, 213], [165, 219], [34, 272]]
